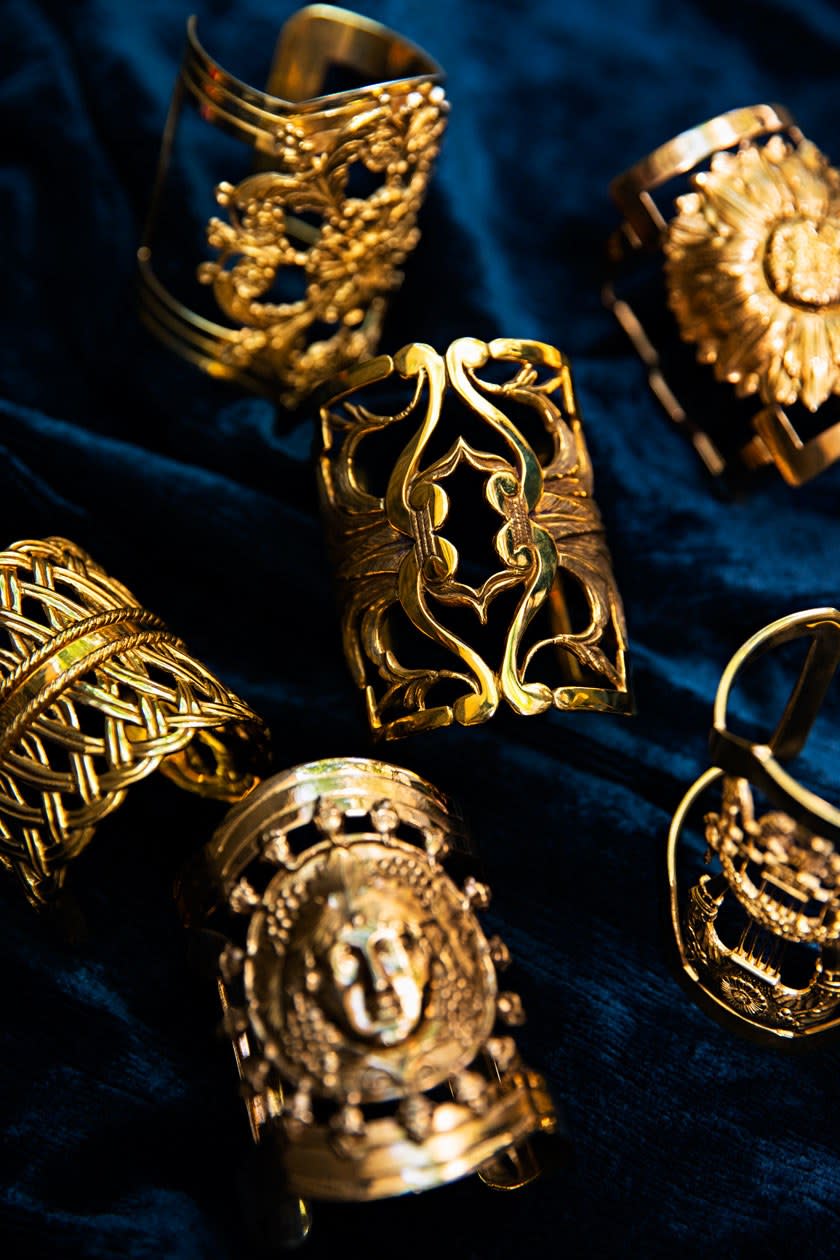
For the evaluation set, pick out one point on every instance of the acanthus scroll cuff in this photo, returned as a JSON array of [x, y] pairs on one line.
[[298, 267]]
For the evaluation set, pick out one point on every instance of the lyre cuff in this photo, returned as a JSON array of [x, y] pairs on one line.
[[758, 933]]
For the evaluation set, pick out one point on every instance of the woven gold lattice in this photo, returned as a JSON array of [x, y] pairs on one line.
[[95, 694]]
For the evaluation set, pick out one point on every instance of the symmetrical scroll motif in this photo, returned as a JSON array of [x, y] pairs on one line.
[[350, 259], [786, 881], [392, 552], [95, 694], [362, 993]]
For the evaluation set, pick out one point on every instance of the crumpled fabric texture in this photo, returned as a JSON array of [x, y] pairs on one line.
[[119, 1109]]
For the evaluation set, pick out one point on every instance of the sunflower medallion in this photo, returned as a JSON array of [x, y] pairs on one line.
[[753, 269]]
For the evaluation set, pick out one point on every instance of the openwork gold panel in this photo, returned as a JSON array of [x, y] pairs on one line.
[[437, 633]]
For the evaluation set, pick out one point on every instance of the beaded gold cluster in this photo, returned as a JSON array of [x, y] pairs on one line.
[[356, 250]]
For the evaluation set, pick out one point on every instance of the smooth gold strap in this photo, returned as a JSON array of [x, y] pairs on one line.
[[312, 41], [632, 188]]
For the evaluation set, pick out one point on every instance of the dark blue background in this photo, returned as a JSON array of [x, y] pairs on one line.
[[121, 1120]]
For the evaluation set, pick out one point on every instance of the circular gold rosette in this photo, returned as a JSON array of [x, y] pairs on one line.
[[753, 268], [360, 990]]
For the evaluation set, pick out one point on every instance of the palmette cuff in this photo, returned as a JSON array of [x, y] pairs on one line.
[[758, 934], [95, 694], [359, 990], [424, 455], [298, 267], [752, 275]]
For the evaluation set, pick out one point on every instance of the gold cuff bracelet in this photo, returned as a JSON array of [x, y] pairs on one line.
[[433, 637], [359, 990], [314, 236], [752, 271], [761, 935], [95, 694]]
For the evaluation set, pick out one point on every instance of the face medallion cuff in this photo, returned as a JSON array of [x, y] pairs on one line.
[[759, 933], [435, 632], [309, 243], [360, 991], [752, 272], [95, 694]]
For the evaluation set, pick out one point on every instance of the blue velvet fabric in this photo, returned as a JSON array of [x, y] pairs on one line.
[[119, 1107]]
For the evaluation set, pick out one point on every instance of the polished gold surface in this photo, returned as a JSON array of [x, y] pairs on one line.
[[96, 693], [752, 265], [759, 935], [753, 269], [632, 189], [399, 573], [357, 983], [299, 216]]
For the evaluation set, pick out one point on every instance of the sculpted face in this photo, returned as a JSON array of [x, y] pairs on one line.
[[365, 974], [372, 967]]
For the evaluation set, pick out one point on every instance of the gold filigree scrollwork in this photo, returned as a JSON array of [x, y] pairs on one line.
[[350, 261], [393, 555], [314, 236], [95, 694]]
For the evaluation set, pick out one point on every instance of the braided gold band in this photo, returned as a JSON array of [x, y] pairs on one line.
[[329, 210], [359, 990], [95, 694]]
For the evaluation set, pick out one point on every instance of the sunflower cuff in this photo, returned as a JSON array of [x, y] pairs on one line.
[[752, 278]]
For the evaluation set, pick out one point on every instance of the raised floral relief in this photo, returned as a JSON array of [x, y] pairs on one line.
[[753, 268], [347, 250]]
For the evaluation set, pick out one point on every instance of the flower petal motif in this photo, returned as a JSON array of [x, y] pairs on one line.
[[341, 261], [753, 271]]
